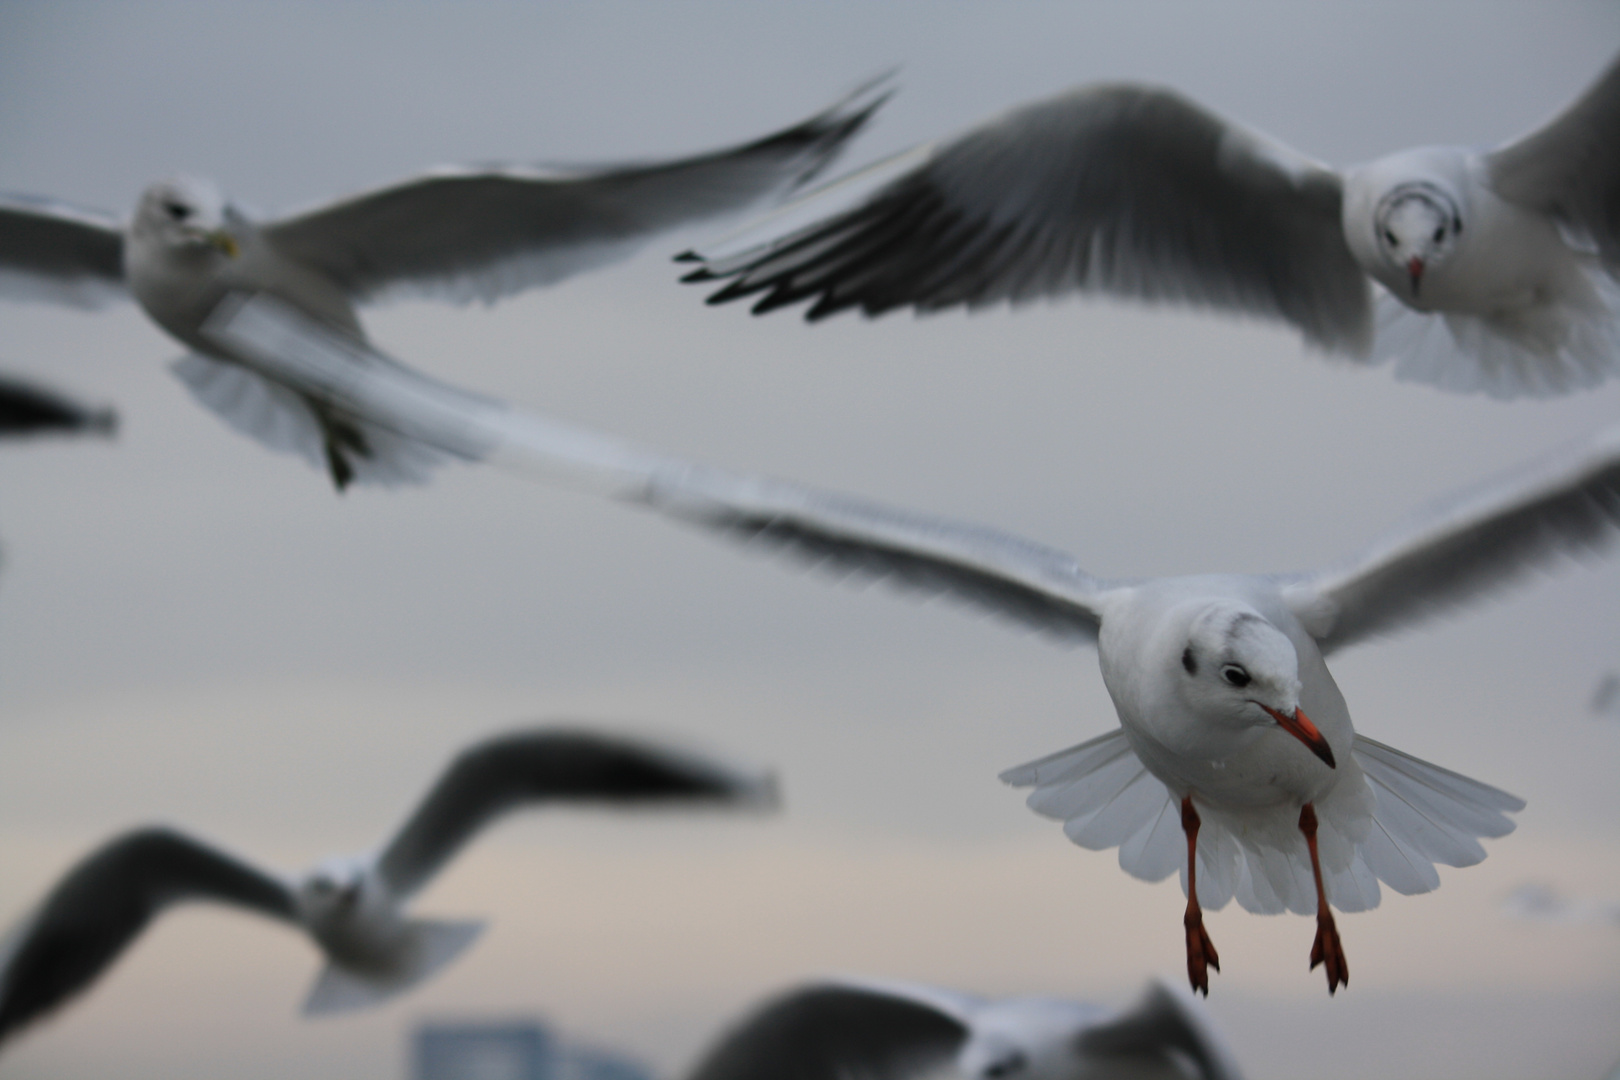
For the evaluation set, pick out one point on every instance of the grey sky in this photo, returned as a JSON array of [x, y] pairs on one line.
[[195, 630]]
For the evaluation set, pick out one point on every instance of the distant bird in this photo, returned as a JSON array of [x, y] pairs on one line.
[[27, 409], [1541, 902], [459, 233], [353, 907], [1235, 759], [1606, 697], [1489, 270], [896, 1031]]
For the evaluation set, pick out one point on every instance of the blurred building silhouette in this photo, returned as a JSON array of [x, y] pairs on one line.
[[511, 1050]]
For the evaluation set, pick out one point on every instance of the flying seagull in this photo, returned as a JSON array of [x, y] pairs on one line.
[[1235, 760], [459, 233], [880, 1030], [1474, 270], [28, 409], [352, 907]]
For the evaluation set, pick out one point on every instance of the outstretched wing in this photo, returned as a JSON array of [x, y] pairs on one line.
[[834, 1033], [548, 765], [1570, 166], [1009, 576], [1124, 189], [482, 233], [1167, 1020], [52, 251], [1563, 504], [27, 409], [105, 902]]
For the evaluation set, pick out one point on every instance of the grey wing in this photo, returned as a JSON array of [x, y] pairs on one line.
[[1166, 1021], [484, 233], [52, 251], [834, 1033], [27, 409], [1124, 189], [549, 765], [104, 903], [1570, 167], [1564, 504], [1040, 587]]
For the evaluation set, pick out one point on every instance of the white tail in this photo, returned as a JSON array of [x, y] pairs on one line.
[[428, 946]]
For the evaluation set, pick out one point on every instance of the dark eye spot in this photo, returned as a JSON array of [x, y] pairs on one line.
[[178, 211], [1008, 1065], [1389, 238], [1439, 234], [1235, 675], [1188, 661]]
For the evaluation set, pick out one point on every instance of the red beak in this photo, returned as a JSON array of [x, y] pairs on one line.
[[1300, 727], [1414, 269]]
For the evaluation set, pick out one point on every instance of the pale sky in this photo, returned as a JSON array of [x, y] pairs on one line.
[[197, 631]]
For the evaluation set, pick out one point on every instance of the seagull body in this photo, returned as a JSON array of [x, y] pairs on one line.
[[457, 233], [1495, 270], [887, 1030], [353, 907]]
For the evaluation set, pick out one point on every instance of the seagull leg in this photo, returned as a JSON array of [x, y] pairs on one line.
[[1327, 948], [1201, 955]]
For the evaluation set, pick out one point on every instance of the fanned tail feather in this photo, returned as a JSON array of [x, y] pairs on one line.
[[428, 946]]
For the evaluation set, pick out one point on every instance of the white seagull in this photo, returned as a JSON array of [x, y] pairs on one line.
[[880, 1030], [352, 907], [458, 232], [1489, 270], [1235, 759]]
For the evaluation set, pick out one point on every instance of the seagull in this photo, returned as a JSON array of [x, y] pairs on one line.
[[1235, 761], [1475, 270], [352, 907], [458, 232], [882, 1030], [27, 409]]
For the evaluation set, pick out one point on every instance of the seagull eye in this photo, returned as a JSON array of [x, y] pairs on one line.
[[1439, 234], [1005, 1067], [178, 211], [1235, 675], [1389, 238]]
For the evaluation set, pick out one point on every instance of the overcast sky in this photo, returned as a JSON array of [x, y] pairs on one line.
[[195, 630]]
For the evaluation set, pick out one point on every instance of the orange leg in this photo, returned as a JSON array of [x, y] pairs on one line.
[[1201, 955], [1326, 949]]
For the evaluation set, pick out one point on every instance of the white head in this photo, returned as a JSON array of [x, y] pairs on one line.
[[188, 213], [336, 893], [1239, 672], [1416, 225], [1026, 1039]]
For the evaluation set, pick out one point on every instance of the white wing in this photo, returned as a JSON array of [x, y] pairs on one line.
[[548, 765], [104, 903], [52, 251], [1564, 504], [1009, 576], [482, 233], [1124, 189], [1569, 168]]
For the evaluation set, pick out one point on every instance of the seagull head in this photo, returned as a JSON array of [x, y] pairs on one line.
[[337, 891], [1417, 226], [1025, 1039], [187, 212], [1239, 672]]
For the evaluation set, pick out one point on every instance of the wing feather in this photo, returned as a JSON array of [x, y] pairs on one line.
[[52, 251]]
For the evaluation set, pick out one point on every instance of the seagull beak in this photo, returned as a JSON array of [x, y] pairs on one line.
[[227, 243], [1414, 270], [1300, 727]]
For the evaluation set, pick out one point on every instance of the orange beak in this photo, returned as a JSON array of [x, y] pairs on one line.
[[1414, 270], [1300, 727]]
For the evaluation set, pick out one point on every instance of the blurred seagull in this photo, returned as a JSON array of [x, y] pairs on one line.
[[27, 409], [1494, 270], [1235, 760], [880, 1030], [458, 233], [353, 907]]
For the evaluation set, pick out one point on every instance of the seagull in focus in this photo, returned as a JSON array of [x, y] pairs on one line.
[[1235, 761], [28, 409], [881, 1030], [1474, 270], [459, 233], [352, 907]]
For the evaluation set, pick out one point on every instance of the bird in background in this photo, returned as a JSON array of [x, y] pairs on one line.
[[1473, 270], [1235, 761], [28, 409], [1606, 696], [353, 908], [882, 1030], [458, 233]]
